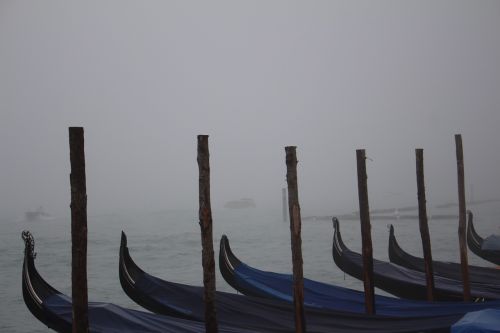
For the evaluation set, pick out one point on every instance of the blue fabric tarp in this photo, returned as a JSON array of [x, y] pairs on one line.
[[491, 243], [326, 296], [110, 318], [484, 321]]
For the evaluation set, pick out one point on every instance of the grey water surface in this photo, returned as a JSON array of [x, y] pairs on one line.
[[167, 244]]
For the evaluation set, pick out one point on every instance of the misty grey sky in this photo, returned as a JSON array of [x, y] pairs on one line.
[[145, 77]]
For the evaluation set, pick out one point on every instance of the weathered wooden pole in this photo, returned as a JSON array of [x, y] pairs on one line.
[[424, 226], [284, 205], [296, 241], [205, 215], [78, 231], [461, 217], [367, 251]]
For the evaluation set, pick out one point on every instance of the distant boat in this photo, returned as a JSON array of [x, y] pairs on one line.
[[37, 215], [242, 203]]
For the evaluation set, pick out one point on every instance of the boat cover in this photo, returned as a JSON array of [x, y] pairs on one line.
[[327, 296], [110, 318], [491, 243], [253, 312], [484, 321], [260, 283]]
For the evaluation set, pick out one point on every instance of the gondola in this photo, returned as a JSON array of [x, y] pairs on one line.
[[54, 309], [446, 269], [404, 282], [253, 282], [488, 248], [166, 297]]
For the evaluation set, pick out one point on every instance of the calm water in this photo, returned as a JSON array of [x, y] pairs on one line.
[[168, 245]]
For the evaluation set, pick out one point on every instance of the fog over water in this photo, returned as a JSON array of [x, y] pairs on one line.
[[144, 78]]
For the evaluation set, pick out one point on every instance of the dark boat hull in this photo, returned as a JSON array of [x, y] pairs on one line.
[[167, 297], [403, 282], [450, 270]]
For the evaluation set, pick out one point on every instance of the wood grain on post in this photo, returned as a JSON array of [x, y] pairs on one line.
[[424, 226], [283, 196], [367, 251], [205, 215], [461, 218], [78, 206], [296, 242]]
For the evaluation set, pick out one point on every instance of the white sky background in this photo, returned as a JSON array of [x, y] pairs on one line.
[[145, 77]]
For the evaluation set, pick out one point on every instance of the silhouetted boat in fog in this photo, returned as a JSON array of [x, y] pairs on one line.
[[239, 204], [37, 215]]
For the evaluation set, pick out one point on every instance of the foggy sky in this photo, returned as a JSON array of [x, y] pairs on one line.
[[145, 77]]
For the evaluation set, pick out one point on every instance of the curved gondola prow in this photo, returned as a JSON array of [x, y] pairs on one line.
[[35, 289], [132, 279], [130, 274], [474, 241], [227, 262], [128, 270], [338, 245], [394, 248], [400, 257]]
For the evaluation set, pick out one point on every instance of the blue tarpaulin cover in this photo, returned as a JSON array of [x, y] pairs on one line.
[[110, 318], [326, 296], [491, 243], [484, 321]]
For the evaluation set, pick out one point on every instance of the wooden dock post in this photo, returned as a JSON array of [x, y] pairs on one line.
[[424, 226], [296, 241], [367, 251], [78, 206], [205, 216], [461, 217], [284, 205]]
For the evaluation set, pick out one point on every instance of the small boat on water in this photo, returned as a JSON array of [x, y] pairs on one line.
[[37, 215], [404, 282], [450, 270], [186, 301], [487, 248], [239, 204]]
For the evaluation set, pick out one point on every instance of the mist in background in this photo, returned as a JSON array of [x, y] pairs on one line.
[[144, 78]]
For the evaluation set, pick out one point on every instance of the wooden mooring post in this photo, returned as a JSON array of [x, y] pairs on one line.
[[296, 241], [284, 204], [367, 250], [205, 216], [423, 224], [461, 218], [78, 206]]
